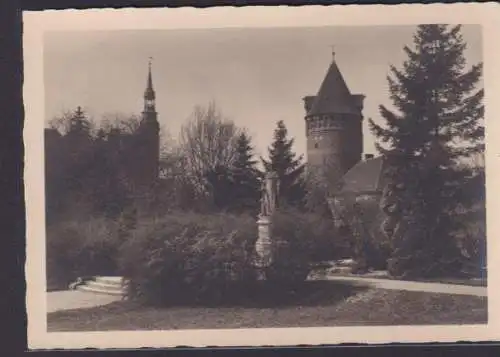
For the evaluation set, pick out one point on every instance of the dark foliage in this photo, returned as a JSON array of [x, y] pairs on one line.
[[288, 167], [437, 106], [210, 258], [246, 177], [87, 173], [236, 187], [81, 248], [360, 224], [300, 239], [189, 257]]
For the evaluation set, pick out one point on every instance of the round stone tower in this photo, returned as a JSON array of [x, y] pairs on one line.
[[334, 124]]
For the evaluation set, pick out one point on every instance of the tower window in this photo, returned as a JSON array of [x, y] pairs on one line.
[[316, 145]]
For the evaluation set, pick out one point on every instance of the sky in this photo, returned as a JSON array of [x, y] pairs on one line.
[[256, 76]]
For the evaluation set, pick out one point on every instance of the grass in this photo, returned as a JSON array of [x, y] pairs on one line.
[[322, 304]]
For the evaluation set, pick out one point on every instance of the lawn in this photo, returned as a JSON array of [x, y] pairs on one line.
[[323, 304]]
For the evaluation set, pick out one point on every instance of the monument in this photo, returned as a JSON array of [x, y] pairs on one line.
[[269, 202]]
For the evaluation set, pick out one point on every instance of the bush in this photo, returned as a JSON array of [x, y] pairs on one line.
[[188, 257], [300, 239], [471, 240], [81, 248], [362, 220]]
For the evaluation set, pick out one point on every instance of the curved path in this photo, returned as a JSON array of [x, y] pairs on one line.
[[71, 299], [438, 288]]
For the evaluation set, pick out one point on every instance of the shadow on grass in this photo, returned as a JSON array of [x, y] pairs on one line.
[[259, 296], [266, 295]]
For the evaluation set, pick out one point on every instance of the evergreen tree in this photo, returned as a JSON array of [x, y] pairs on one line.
[[288, 167], [438, 124], [221, 186], [77, 146], [246, 177]]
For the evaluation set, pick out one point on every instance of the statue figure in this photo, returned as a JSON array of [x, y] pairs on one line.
[[269, 198]]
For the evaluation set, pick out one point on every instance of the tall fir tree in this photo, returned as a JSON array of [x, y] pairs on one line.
[[246, 177], [288, 168], [221, 185], [437, 124]]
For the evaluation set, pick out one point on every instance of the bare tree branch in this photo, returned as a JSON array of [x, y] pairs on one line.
[[208, 140]]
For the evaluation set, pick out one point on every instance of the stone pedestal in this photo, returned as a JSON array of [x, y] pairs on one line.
[[263, 246]]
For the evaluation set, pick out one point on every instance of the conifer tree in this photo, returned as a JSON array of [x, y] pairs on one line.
[[436, 125], [220, 180], [287, 166], [246, 176]]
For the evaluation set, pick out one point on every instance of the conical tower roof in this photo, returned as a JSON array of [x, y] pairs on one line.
[[333, 96]]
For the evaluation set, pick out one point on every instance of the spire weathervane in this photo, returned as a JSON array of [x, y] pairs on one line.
[[333, 51]]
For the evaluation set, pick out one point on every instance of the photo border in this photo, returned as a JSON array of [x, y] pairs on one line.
[[484, 14]]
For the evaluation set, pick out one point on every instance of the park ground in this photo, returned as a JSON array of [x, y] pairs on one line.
[[323, 303]]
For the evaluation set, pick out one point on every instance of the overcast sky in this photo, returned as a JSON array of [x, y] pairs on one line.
[[256, 76]]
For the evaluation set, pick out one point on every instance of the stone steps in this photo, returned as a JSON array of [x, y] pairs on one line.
[[108, 285]]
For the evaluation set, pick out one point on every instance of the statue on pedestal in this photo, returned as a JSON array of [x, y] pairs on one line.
[[263, 246]]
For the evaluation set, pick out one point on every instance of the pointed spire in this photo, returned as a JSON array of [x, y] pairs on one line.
[[333, 96], [149, 93]]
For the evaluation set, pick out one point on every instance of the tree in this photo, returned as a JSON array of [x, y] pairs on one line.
[[288, 167], [437, 124], [75, 122], [245, 176], [221, 186], [208, 142], [119, 122], [176, 190], [90, 164]]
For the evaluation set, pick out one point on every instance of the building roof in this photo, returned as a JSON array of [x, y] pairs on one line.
[[366, 176], [333, 95], [149, 93]]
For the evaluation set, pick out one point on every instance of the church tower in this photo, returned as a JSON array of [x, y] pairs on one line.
[[148, 138], [334, 124]]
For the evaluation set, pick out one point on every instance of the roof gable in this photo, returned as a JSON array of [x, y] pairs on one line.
[[333, 95], [365, 176]]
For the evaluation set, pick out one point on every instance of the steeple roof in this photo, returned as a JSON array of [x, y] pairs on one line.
[[333, 95], [149, 93]]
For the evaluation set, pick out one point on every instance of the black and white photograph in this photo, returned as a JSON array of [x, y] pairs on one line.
[[304, 176]]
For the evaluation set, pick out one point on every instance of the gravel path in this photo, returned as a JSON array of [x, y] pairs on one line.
[[438, 288], [72, 299]]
